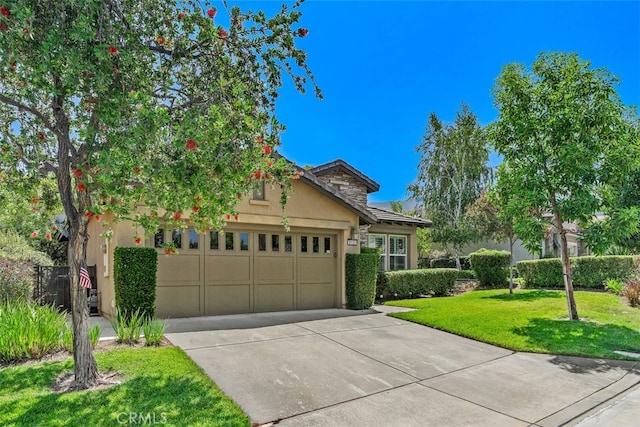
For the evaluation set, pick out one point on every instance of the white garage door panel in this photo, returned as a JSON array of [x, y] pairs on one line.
[[178, 301]]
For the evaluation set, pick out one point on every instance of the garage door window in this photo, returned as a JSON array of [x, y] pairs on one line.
[[303, 243], [275, 243], [228, 241], [287, 244], [176, 238], [194, 239], [213, 240], [262, 242], [244, 241], [327, 245], [158, 239]]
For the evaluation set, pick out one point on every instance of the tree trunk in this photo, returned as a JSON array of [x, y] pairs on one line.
[[510, 264], [458, 263], [566, 264], [84, 364]]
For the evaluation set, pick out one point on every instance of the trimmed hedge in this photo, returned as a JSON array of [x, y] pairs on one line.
[[587, 271], [361, 273], [491, 267], [408, 283], [134, 275], [466, 275]]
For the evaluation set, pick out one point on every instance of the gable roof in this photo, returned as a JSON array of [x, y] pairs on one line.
[[341, 165], [389, 217]]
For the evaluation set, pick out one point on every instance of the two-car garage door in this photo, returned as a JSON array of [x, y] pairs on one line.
[[245, 271]]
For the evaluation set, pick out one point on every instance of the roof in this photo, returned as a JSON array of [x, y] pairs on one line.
[[340, 164], [389, 217]]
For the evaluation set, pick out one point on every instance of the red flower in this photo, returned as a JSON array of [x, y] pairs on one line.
[[212, 12], [267, 176], [88, 214], [3, 28], [239, 195], [190, 145], [228, 216], [177, 215], [112, 50], [223, 34], [195, 209], [82, 187], [47, 236], [257, 174], [160, 40], [269, 163], [260, 139], [236, 216], [138, 240], [41, 136], [4, 11], [198, 199], [267, 149], [97, 217], [169, 251], [181, 15], [77, 173], [302, 32], [137, 170], [34, 200], [296, 175], [34, 234]]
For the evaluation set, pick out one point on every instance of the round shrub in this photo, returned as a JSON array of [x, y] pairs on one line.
[[491, 267]]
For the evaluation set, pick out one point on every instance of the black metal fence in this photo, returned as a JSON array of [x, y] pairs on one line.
[[53, 286]]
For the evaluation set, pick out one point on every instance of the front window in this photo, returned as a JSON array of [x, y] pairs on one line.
[[379, 241], [397, 253]]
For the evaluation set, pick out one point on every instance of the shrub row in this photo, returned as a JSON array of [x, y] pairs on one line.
[[408, 283], [491, 267], [587, 271], [134, 275], [449, 262], [360, 274]]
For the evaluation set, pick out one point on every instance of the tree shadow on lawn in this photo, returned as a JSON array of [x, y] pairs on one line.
[[159, 399], [525, 296], [563, 337]]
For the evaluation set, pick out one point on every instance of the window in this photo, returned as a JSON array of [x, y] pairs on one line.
[[158, 239], [303, 243], [397, 253], [194, 239], [316, 245], [287, 244], [327, 245], [176, 238], [379, 241], [244, 241], [228, 241], [262, 242], [258, 193], [213, 240], [275, 242]]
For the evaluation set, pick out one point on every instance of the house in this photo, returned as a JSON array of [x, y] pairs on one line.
[[254, 265]]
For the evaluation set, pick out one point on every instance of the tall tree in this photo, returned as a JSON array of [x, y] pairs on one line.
[[451, 174], [134, 102], [491, 222], [566, 143]]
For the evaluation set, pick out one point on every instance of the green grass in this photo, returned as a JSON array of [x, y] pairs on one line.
[[160, 382], [534, 321]]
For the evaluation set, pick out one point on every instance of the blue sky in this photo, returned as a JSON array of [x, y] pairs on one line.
[[384, 66]]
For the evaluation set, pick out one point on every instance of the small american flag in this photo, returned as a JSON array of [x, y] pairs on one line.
[[85, 280]]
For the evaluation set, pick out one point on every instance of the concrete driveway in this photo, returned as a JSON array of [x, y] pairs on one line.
[[346, 368]]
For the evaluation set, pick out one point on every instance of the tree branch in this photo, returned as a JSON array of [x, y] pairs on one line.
[[22, 107]]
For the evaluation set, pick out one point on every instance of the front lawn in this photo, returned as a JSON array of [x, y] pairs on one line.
[[534, 321], [160, 386]]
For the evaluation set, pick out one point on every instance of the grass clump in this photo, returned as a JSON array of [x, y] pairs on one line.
[[154, 331], [534, 321], [156, 382]]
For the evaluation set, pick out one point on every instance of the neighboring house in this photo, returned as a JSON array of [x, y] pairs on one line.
[[254, 265], [549, 246]]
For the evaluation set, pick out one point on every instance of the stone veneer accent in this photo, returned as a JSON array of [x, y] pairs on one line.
[[347, 185]]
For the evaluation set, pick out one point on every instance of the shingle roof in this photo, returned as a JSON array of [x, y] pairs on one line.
[[389, 217], [371, 185]]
